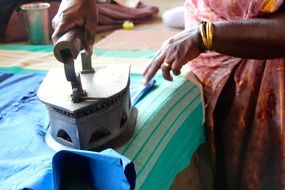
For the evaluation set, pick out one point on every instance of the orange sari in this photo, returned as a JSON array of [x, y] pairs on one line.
[[244, 102]]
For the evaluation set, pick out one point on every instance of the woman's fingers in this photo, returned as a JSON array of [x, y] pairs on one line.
[[166, 61], [154, 67], [176, 67], [177, 51], [166, 68], [152, 62], [167, 64]]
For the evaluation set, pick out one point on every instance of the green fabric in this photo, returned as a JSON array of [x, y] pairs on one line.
[[169, 126], [169, 130], [35, 48], [16, 69], [147, 54]]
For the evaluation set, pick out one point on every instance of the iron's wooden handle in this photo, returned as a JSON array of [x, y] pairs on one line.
[[69, 45]]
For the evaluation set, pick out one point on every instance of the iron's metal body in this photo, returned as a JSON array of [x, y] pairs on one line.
[[95, 113]]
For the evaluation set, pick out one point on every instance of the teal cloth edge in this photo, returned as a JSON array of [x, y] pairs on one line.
[[146, 54], [181, 162], [17, 69]]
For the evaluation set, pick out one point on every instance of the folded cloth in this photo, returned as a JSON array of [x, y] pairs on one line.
[[128, 3], [26, 160], [139, 90], [77, 169], [111, 16], [119, 13], [90, 170]]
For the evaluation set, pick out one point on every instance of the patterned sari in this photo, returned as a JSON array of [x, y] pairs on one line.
[[244, 102]]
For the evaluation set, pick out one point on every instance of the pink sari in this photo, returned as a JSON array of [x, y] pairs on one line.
[[244, 102]]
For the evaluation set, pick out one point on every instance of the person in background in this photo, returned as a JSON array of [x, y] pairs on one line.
[[236, 49]]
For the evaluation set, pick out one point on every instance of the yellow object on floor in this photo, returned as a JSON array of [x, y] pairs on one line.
[[128, 25]]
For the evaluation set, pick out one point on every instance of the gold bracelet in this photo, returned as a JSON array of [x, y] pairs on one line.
[[203, 33], [210, 31], [206, 30]]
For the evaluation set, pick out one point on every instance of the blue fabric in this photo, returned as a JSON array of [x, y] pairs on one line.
[[25, 159], [104, 170], [138, 90]]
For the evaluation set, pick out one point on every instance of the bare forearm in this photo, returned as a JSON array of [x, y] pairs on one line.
[[260, 38]]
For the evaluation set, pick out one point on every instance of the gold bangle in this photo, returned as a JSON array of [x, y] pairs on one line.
[[210, 31], [206, 30], [203, 34]]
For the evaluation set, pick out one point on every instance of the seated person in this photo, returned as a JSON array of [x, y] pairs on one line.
[[236, 49]]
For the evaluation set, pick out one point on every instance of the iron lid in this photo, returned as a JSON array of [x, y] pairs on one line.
[[105, 82]]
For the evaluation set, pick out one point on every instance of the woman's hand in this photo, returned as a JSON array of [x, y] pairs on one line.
[[174, 53], [76, 13]]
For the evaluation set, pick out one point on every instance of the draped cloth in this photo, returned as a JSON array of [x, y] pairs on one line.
[[244, 102]]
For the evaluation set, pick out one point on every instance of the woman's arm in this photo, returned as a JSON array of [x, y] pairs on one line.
[[260, 38]]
